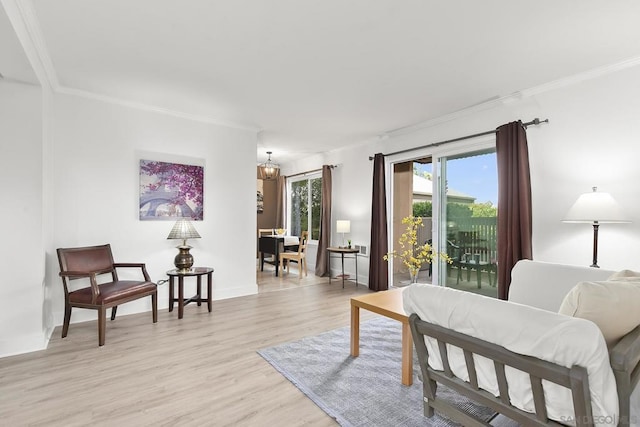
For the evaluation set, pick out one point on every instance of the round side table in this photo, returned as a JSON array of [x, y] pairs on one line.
[[196, 272]]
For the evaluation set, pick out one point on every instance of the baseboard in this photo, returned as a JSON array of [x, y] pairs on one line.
[[23, 344], [362, 279], [235, 292]]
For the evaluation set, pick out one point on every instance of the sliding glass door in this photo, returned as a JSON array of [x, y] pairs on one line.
[[455, 194], [467, 221]]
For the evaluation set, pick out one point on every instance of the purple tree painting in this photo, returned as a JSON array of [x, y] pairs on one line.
[[170, 190]]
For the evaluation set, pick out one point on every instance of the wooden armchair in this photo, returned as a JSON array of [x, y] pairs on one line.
[[299, 257], [89, 263]]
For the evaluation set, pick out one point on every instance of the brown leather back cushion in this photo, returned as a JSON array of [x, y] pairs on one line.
[[96, 258]]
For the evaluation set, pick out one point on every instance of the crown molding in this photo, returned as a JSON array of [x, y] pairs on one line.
[[447, 117], [23, 18], [518, 96], [25, 23], [154, 109], [581, 77]]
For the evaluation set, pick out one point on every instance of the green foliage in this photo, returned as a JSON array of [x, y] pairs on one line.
[[484, 210], [300, 207], [316, 206], [454, 210], [457, 210], [422, 209]]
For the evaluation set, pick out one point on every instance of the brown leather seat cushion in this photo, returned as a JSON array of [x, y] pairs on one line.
[[112, 291]]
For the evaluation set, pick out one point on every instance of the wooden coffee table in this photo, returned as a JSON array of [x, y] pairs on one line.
[[388, 304]]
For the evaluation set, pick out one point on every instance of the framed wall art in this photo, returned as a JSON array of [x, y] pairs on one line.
[[260, 196], [171, 190]]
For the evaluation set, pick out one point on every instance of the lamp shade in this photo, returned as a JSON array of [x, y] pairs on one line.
[[595, 207], [183, 229], [343, 226]]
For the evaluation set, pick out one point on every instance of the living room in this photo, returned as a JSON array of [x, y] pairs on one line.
[[70, 157]]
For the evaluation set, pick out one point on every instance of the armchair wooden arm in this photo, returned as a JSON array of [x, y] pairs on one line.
[[140, 265], [575, 378], [91, 275]]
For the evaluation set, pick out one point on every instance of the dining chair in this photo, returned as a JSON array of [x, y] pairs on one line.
[[266, 232], [90, 263], [299, 257]]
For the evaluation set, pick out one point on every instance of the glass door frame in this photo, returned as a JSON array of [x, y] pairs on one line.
[[486, 142]]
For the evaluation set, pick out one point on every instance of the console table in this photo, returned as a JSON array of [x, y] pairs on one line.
[[197, 272], [342, 252]]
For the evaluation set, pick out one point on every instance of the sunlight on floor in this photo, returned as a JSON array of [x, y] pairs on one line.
[[268, 282]]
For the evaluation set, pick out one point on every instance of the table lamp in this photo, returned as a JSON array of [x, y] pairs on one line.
[[595, 208], [183, 229], [343, 226]]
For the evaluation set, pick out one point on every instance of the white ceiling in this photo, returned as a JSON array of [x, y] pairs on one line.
[[314, 75]]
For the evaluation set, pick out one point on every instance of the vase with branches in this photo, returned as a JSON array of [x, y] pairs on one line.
[[412, 254]]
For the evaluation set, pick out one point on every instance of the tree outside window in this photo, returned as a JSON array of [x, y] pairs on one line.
[[306, 201]]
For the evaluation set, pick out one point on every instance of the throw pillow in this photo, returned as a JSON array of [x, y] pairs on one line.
[[625, 276], [612, 305]]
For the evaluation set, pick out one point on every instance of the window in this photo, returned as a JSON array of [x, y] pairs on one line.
[[305, 198]]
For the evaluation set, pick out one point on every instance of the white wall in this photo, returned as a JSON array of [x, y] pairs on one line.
[[21, 255], [593, 138], [351, 192], [97, 149]]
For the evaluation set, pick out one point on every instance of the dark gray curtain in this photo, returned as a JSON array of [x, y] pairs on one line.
[[281, 186], [514, 202], [378, 268], [322, 257]]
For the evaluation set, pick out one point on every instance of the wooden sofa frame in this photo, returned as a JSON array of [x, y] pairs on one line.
[[624, 357]]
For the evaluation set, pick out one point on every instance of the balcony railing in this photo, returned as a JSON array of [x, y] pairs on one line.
[[471, 243], [475, 236]]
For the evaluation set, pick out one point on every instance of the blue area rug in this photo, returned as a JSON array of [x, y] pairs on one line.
[[365, 390]]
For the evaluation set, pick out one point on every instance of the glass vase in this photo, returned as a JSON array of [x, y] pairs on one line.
[[413, 274]]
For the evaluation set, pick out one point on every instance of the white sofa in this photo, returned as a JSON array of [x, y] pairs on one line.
[[525, 332]]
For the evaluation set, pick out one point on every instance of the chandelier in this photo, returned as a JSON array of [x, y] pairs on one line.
[[268, 169]]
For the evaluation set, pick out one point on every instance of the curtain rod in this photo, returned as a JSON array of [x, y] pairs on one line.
[[534, 122], [308, 172]]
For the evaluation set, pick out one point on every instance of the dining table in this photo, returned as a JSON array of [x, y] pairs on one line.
[[273, 245]]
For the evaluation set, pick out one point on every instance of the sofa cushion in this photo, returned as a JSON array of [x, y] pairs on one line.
[[612, 305]]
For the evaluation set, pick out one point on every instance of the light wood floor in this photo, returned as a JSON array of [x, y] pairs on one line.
[[201, 370]]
